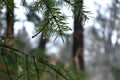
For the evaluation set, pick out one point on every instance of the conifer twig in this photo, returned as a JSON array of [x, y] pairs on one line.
[[41, 60], [6, 65], [36, 68], [26, 58]]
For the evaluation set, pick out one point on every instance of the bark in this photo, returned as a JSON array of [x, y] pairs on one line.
[[42, 42], [10, 24], [8, 41], [78, 40]]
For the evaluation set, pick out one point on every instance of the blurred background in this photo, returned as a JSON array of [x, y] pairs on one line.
[[101, 37]]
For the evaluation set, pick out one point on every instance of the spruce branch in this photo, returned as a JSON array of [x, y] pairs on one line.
[[27, 68], [6, 65], [53, 19], [40, 60], [10, 5], [36, 68]]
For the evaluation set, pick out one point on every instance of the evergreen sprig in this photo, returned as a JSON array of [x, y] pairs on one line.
[[54, 21], [78, 9], [30, 66]]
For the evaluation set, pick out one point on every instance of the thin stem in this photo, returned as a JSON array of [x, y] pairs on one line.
[[53, 68], [26, 57], [41, 60], [6, 65], [36, 68]]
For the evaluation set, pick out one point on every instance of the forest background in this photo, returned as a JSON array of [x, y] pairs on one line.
[[60, 50]]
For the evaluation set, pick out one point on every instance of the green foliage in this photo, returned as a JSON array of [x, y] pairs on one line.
[[116, 71], [33, 67], [78, 9], [9, 4], [53, 20], [39, 53], [77, 75], [1, 5], [25, 66]]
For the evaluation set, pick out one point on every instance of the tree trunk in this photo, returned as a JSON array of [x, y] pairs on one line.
[[78, 38], [8, 41], [10, 23], [42, 42]]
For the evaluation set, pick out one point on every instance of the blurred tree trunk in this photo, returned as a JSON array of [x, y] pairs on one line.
[[78, 38], [10, 22], [42, 42], [106, 60], [8, 41], [108, 30]]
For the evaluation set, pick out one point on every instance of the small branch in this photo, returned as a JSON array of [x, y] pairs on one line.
[[9, 7], [36, 68], [40, 30], [68, 2], [14, 49], [57, 76], [53, 68], [60, 30], [26, 58], [6, 65], [41, 60]]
